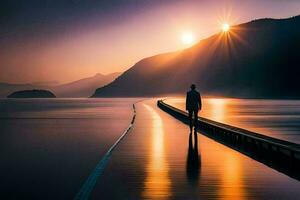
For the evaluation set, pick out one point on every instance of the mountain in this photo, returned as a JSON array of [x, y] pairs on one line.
[[80, 88], [258, 59], [32, 94], [45, 83], [84, 87]]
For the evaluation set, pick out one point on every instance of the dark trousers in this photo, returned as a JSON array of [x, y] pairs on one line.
[[193, 114]]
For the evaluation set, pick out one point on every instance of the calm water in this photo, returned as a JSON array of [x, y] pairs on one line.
[[160, 160], [49, 146], [277, 118]]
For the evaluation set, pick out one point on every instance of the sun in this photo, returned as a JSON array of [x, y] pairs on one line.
[[225, 27], [187, 38]]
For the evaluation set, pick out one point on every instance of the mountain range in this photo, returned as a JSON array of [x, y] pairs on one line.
[[257, 59], [80, 88], [83, 87]]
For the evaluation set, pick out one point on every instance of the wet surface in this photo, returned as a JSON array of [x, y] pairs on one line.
[[49, 147], [276, 118], [160, 159]]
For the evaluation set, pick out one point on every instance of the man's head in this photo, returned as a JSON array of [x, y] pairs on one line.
[[193, 86]]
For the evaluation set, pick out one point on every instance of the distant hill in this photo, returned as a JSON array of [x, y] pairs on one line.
[[258, 59], [32, 94], [81, 88], [7, 88], [84, 87]]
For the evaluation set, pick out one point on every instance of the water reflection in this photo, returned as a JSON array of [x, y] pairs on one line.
[[233, 186], [49, 146], [217, 109], [276, 118], [157, 183], [193, 164]]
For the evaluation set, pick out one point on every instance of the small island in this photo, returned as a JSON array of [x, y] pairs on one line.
[[32, 94]]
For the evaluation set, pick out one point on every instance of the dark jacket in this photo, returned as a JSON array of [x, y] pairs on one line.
[[193, 100]]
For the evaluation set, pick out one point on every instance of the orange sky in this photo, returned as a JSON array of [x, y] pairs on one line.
[[90, 46]]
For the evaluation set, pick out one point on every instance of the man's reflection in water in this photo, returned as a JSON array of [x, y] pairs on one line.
[[193, 165]]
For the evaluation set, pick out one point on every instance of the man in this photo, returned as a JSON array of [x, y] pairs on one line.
[[193, 105]]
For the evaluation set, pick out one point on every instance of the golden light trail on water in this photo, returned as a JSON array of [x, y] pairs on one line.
[[157, 184], [218, 109]]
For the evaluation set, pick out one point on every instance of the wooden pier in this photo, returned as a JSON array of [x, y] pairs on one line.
[[278, 154]]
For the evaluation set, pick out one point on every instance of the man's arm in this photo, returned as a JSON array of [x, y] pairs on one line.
[[186, 101], [200, 102]]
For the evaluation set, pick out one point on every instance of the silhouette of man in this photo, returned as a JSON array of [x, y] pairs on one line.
[[193, 105]]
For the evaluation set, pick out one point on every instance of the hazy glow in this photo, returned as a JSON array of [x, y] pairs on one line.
[[157, 184], [188, 38], [84, 43], [225, 27]]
